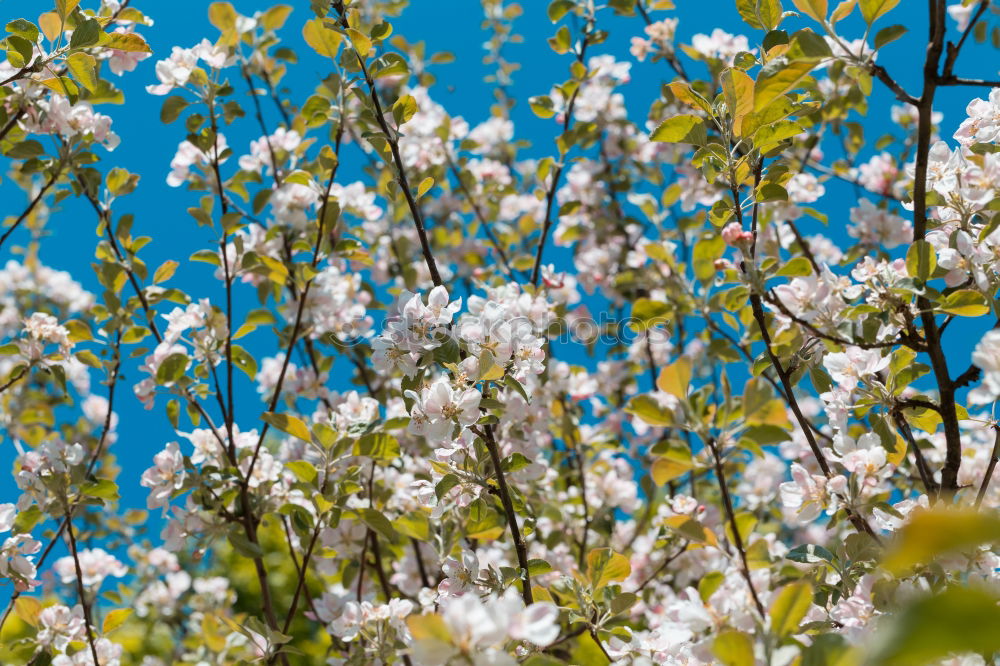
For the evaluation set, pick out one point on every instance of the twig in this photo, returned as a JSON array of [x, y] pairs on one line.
[[486, 434], [80, 589], [727, 502], [994, 458]]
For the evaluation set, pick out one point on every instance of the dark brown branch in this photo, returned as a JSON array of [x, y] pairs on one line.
[[720, 476], [486, 434], [80, 589]]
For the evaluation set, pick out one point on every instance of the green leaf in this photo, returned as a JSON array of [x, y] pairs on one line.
[[415, 525], [303, 470], [172, 108], [23, 28], [789, 607], [795, 267], [542, 106], [484, 522], [172, 368], [26, 150], [931, 533], [960, 620], [223, 16], [378, 446], [275, 17], [760, 14], [843, 10], [965, 303], [773, 84], [559, 8], [103, 488], [872, 10], [288, 424], [404, 109], [62, 85], [890, 34], [245, 361], [680, 129], [921, 260], [650, 411], [705, 252], [646, 312], [241, 544], [733, 648], [83, 69], [86, 34], [811, 554], [379, 523]]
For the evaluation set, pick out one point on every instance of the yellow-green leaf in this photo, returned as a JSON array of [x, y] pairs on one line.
[[66, 7], [813, 8], [965, 303], [733, 648], [680, 129], [165, 271], [288, 424], [82, 67], [360, 41], [673, 464], [606, 566], [789, 607], [772, 85], [426, 184], [921, 260], [872, 10], [942, 530], [650, 411], [125, 41], [28, 608], [323, 41], [674, 378], [738, 88], [115, 619]]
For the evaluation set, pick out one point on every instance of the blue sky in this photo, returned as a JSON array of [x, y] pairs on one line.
[[453, 25]]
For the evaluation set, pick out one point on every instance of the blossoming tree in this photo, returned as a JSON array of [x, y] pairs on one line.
[[771, 448]]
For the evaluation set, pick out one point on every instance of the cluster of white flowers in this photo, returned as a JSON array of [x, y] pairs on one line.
[[177, 70], [43, 329], [56, 115], [478, 628]]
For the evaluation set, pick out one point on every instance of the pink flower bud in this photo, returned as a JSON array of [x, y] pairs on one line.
[[733, 234]]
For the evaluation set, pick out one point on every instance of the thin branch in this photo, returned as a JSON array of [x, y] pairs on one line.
[[80, 589], [923, 469], [31, 206], [393, 142], [486, 434], [720, 476], [550, 195], [954, 49], [994, 458]]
